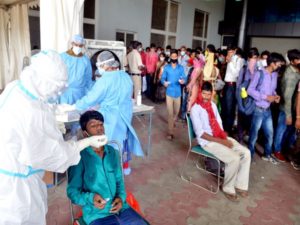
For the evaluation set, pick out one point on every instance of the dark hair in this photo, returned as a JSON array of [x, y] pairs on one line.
[[199, 49], [274, 57], [265, 52], [135, 44], [147, 49], [240, 52], [230, 48], [293, 54], [162, 54], [173, 51], [152, 45], [211, 48], [206, 86], [194, 51], [89, 115], [223, 52], [168, 47], [253, 52]]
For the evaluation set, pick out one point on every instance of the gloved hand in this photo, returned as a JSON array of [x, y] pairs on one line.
[[94, 141], [63, 108]]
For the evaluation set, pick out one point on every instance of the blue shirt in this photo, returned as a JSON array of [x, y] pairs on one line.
[[173, 75]]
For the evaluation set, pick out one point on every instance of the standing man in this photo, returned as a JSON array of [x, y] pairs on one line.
[[135, 66], [151, 61], [183, 61], [285, 128], [235, 64], [79, 71], [173, 76], [264, 95], [211, 137]]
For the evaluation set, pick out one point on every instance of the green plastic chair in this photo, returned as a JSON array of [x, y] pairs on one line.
[[197, 149]]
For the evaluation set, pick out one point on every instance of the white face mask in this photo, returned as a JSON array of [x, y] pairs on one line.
[[140, 49], [101, 70], [77, 50], [182, 53], [162, 59], [261, 63], [167, 53], [264, 62]]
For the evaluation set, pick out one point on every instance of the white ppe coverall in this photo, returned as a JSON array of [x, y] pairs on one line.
[[30, 141]]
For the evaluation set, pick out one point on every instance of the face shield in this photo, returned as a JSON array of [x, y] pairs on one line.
[[106, 58]]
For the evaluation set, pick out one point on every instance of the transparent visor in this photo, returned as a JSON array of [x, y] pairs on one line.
[[60, 86]]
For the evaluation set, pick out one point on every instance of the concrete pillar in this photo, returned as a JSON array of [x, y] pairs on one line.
[[242, 33]]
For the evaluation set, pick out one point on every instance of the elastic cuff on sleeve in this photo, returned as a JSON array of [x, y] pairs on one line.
[[91, 198]]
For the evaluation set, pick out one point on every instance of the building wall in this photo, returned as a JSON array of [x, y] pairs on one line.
[[281, 45], [186, 20], [128, 15], [135, 16]]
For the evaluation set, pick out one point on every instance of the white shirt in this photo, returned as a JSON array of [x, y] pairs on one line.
[[134, 60], [233, 69], [200, 121]]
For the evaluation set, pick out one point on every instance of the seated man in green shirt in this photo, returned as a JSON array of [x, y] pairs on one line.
[[96, 183]]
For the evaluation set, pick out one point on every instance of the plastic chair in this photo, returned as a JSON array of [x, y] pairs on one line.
[[197, 149]]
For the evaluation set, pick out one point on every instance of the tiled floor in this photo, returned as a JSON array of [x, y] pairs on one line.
[[167, 200]]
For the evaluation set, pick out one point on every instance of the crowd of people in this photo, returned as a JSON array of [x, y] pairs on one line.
[[230, 94], [269, 80]]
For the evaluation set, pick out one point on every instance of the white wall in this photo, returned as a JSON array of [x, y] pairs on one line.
[[216, 14], [135, 16], [129, 15], [280, 45]]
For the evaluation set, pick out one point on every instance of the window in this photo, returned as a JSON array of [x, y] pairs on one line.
[[89, 19], [34, 27], [200, 29], [164, 22], [125, 36]]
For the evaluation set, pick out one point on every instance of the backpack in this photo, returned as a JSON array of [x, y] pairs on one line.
[[246, 105]]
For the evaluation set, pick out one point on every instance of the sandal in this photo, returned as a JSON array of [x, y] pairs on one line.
[[242, 193], [231, 197]]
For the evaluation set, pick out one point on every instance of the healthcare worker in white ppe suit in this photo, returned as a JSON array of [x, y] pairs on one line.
[[31, 141]]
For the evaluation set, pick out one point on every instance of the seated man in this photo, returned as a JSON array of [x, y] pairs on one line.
[[210, 135], [96, 183]]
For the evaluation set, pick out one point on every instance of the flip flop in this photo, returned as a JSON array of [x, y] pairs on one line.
[[242, 193], [231, 197]]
